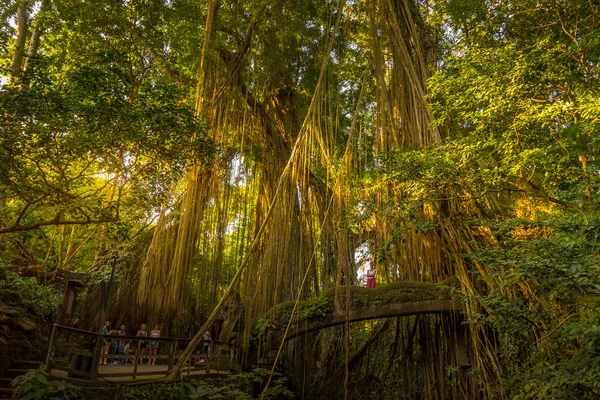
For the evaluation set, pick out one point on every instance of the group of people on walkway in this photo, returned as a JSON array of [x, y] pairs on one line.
[[147, 348]]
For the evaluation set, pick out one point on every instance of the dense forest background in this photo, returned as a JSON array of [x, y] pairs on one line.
[[177, 151]]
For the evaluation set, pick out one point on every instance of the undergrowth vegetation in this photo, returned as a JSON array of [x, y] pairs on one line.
[[549, 336], [27, 307], [35, 385]]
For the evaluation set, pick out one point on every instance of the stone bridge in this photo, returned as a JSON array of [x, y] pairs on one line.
[[391, 300]]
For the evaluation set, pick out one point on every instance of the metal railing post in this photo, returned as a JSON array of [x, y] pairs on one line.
[[173, 349], [96, 359], [137, 357], [50, 354], [208, 356]]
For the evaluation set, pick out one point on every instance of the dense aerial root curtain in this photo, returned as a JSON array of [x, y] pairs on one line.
[[402, 52], [288, 245], [401, 57], [165, 281], [164, 289], [278, 197], [271, 269]]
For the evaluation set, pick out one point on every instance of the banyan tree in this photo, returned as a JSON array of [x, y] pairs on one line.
[[267, 152], [303, 99]]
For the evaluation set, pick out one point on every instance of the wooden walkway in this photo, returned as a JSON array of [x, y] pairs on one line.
[[75, 354]]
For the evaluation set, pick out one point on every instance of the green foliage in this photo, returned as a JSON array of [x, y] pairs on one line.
[[547, 336], [522, 78], [516, 94], [42, 300], [314, 309], [65, 138], [35, 385], [575, 374], [207, 390], [234, 387], [564, 264], [123, 258], [259, 376], [263, 328], [166, 391]]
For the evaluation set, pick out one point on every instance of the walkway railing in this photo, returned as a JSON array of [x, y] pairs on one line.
[[78, 353]]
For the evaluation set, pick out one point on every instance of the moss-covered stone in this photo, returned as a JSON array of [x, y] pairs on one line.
[[592, 300]]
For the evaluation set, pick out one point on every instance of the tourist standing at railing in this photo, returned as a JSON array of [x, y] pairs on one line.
[[142, 333], [127, 351], [121, 346], [114, 346], [105, 342], [155, 333], [206, 342]]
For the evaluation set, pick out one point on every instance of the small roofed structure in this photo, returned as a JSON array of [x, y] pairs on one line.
[[72, 281]]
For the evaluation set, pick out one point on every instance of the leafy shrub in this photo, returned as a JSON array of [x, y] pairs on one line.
[[28, 293], [163, 391], [259, 376], [234, 387], [315, 309], [263, 328], [575, 376], [549, 337], [35, 385]]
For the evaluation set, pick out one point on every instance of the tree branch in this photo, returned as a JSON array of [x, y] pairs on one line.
[[173, 74], [540, 192], [55, 221]]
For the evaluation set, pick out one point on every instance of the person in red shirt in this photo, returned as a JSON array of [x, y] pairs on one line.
[[371, 275]]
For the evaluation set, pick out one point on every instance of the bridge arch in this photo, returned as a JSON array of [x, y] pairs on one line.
[[392, 300]]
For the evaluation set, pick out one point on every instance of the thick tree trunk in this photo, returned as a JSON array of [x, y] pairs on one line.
[[36, 35], [17, 60]]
